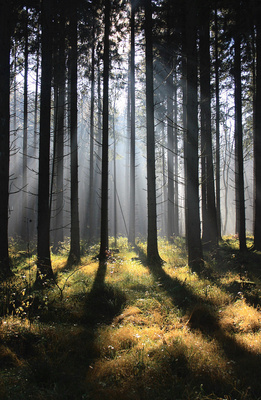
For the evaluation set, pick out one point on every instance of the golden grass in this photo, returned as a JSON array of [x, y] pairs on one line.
[[135, 335]]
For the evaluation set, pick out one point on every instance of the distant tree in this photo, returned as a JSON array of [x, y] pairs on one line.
[[44, 268], [74, 255], [104, 245], [195, 256], [5, 20], [153, 256]]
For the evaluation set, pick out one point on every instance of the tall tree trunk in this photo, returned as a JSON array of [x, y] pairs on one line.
[[175, 149], [209, 219], [91, 186], [24, 219], [153, 257], [59, 140], [4, 133], [74, 255], [132, 127], [170, 117], [195, 256], [257, 136], [239, 168], [104, 245], [44, 268], [217, 63]]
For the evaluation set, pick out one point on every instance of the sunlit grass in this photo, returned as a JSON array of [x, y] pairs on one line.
[[133, 333]]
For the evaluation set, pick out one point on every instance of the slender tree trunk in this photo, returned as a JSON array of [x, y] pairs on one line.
[[105, 136], [152, 241], [175, 149], [210, 236], [4, 133], [59, 140], [132, 128], [217, 63], [195, 256], [74, 255], [170, 117], [44, 268], [257, 137], [91, 186], [239, 168], [24, 219]]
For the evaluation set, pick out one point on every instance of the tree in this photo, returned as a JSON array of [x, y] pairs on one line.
[[209, 219], [257, 135], [74, 255], [239, 167], [44, 268], [195, 256], [104, 245], [152, 240], [132, 126], [5, 11]]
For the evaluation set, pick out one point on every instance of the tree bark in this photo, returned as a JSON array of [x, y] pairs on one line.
[[239, 168], [74, 255], [104, 245], [5, 10], [209, 219], [132, 127], [195, 256], [153, 257], [44, 268]]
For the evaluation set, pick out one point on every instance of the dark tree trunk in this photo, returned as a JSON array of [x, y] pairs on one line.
[[104, 245], [24, 219], [218, 203], [209, 219], [257, 137], [59, 140], [132, 127], [4, 133], [170, 117], [195, 257], [152, 242], [44, 268], [239, 168], [74, 255], [175, 149], [91, 186]]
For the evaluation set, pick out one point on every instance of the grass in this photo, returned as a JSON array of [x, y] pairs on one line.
[[124, 330]]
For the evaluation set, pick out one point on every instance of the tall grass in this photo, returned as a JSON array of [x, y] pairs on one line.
[[123, 330]]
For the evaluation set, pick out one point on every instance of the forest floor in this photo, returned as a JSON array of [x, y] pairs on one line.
[[124, 330]]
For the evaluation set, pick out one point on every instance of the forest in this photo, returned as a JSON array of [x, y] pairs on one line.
[[130, 202]]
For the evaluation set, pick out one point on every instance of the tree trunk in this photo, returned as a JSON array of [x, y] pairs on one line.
[[44, 268], [153, 257], [4, 133], [74, 255], [91, 186], [218, 203], [257, 138], [24, 219], [170, 118], [104, 245], [239, 168], [132, 128], [209, 219], [195, 257]]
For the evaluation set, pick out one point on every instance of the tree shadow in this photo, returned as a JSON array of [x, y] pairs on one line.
[[203, 317], [60, 356]]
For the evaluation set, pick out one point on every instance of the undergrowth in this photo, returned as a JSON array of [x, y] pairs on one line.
[[125, 330]]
